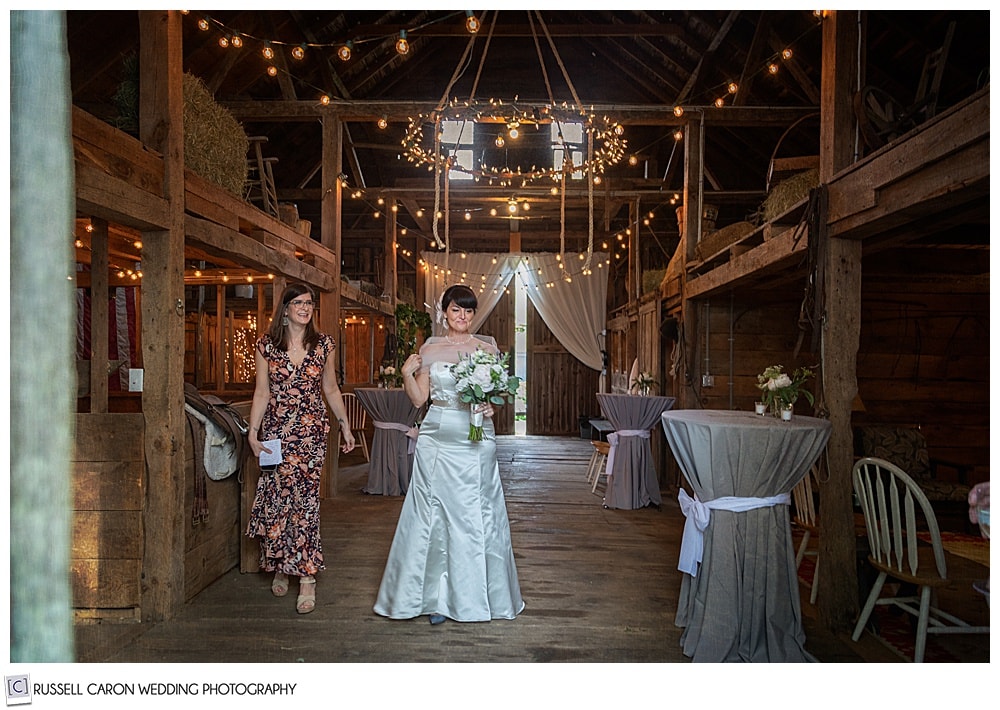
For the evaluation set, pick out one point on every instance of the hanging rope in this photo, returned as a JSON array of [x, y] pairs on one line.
[[567, 164]]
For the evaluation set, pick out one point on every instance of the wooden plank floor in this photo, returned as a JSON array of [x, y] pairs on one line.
[[600, 586]]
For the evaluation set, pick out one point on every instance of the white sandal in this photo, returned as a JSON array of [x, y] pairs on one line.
[[304, 604]]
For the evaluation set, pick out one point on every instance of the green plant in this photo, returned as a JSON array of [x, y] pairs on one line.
[[410, 322]]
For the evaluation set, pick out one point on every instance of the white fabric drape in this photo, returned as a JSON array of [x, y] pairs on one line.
[[574, 310], [468, 269]]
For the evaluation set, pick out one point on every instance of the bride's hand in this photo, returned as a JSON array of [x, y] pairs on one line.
[[412, 365], [486, 408]]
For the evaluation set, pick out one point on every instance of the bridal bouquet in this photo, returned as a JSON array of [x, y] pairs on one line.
[[779, 389], [482, 377]]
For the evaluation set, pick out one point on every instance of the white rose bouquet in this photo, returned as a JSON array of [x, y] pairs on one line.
[[779, 389], [481, 377]]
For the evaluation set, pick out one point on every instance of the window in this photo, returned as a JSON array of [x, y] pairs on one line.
[[572, 140], [457, 139]]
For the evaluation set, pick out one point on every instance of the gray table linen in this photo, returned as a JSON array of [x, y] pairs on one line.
[[743, 605], [632, 481], [390, 461]]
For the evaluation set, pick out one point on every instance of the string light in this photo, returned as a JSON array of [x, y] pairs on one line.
[[344, 51], [299, 52], [402, 45], [472, 23]]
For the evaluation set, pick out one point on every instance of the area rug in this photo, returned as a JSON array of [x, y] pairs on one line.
[[893, 627]]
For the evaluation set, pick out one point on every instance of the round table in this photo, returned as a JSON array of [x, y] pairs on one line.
[[741, 602], [390, 457], [632, 480]]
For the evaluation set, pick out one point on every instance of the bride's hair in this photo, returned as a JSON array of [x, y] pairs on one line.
[[461, 295]]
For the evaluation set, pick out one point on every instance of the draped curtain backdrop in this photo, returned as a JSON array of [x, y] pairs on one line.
[[574, 310]]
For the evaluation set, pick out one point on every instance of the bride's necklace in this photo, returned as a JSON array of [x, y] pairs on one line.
[[451, 340]]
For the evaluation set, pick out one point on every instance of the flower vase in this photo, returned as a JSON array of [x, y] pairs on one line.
[[786, 413], [475, 424]]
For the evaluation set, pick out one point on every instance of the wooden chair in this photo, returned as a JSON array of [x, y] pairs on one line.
[[895, 509], [357, 417], [598, 463], [804, 518]]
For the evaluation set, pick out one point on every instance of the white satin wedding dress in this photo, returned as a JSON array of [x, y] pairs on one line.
[[451, 554]]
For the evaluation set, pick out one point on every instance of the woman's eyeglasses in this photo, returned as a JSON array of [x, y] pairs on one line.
[[302, 304]]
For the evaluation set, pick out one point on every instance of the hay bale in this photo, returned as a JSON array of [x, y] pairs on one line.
[[651, 279], [720, 239], [215, 144], [788, 193]]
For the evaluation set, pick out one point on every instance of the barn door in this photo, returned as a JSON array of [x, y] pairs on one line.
[[500, 324], [560, 387]]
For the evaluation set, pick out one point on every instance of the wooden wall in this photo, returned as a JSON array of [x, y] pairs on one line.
[[560, 388], [212, 547], [924, 361], [109, 493], [108, 496]]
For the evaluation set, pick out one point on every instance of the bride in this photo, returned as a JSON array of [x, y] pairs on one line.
[[451, 556]]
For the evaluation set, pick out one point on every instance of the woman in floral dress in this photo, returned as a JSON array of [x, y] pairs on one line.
[[295, 373]]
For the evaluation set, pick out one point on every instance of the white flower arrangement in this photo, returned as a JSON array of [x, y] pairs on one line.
[[780, 390], [389, 376]]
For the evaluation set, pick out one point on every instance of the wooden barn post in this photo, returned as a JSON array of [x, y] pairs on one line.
[[161, 128], [840, 262], [330, 237], [43, 311]]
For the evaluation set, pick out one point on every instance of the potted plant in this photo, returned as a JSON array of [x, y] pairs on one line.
[[780, 391]]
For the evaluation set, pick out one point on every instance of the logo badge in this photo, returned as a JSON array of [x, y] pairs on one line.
[[18, 689]]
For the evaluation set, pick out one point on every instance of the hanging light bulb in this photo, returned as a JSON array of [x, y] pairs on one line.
[[402, 45], [272, 70], [324, 100], [236, 41], [223, 41], [203, 25], [772, 68], [678, 135], [678, 111], [268, 52], [720, 102], [299, 52], [499, 141], [471, 22], [344, 52], [733, 88], [786, 53], [382, 123], [633, 160]]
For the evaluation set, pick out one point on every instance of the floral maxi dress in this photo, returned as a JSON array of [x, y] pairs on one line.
[[285, 512]]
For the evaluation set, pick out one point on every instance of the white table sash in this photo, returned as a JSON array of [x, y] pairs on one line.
[[406, 429], [613, 443], [697, 516]]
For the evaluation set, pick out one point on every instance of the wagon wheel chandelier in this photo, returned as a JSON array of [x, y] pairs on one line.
[[605, 142]]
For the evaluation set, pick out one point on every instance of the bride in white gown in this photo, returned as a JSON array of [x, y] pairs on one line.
[[451, 556]]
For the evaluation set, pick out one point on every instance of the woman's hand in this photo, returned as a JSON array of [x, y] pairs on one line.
[[486, 408], [412, 365], [256, 446], [348, 445]]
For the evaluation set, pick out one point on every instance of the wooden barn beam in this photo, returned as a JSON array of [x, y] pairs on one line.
[[839, 285], [329, 301], [161, 128]]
